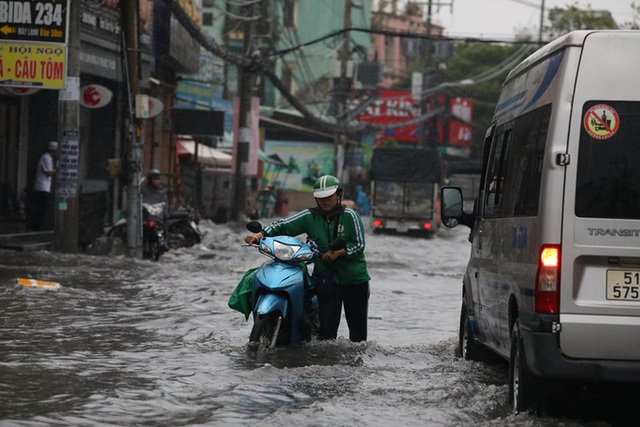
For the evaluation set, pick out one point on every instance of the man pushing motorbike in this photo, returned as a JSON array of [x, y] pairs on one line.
[[340, 276]]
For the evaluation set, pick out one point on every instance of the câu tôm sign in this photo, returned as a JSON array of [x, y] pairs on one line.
[[34, 21], [42, 66]]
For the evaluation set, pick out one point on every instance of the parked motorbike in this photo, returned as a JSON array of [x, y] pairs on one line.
[[181, 231], [280, 292], [153, 244]]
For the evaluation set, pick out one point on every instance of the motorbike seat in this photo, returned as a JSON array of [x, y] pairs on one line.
[[179, 215]]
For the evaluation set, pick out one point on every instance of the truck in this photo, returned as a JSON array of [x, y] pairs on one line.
[[464, 173], [405, 186]]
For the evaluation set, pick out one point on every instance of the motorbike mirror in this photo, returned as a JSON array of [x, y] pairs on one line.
[[337, 244], [254, 226]]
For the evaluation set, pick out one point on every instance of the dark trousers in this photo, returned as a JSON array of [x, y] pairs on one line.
[[39, 210], [356, 307]]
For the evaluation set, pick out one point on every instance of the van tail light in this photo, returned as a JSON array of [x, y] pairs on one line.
[[548, 280], [149, 223], [377, 223], [426, 226]]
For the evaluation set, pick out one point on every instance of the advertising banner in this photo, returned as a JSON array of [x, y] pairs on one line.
[[300, 163], [387, 108], [34, 21], [33, 65], [68, 164]]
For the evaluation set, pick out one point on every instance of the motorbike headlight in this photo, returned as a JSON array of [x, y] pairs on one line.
[[284, 252]]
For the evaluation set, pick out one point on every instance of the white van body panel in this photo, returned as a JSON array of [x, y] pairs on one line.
[[553, 90], [609, 70]]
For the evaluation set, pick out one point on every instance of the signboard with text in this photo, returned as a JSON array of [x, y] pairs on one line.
[[33, 65], [34, 21], [392, 107], [68, 164]]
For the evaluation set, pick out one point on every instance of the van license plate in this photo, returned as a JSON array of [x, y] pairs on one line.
[[623, 285]]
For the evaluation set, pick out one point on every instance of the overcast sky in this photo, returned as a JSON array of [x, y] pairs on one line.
[[501, 19]]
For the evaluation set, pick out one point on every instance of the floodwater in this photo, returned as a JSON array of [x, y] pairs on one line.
[[131, 342]]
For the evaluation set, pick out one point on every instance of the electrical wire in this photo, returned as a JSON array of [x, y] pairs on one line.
[[505, 65], [237, 17]]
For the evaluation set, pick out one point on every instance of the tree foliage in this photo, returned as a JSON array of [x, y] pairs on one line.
[[564, 20], [472, 59]]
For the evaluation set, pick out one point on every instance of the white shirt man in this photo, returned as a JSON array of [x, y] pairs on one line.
[[42, 187], [46, 169]]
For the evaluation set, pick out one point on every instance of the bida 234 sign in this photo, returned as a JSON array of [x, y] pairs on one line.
[[41, 21]]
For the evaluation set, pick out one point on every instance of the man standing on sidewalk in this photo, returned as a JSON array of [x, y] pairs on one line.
[[45, 171]]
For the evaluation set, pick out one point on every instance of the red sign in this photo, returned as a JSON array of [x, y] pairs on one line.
[[155, 107], [95, 96], [391, 107], [460, 131], [19, 91]]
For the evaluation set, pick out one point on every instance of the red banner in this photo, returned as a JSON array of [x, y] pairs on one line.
[[389, 107]]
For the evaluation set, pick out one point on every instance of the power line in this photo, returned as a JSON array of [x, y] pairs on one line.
[[261, 61]]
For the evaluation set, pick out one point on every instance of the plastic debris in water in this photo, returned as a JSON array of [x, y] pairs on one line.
[[35, 283]]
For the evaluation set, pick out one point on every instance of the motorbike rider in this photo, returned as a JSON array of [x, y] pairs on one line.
[[153, 193], [340, 276]]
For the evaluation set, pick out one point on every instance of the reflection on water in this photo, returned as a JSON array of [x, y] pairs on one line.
[[340, 352], [129, 342]]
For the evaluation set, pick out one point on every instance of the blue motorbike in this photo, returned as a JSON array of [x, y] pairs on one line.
[[281, 299]]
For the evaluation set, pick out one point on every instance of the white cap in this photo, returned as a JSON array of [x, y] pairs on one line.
[[53, 145]]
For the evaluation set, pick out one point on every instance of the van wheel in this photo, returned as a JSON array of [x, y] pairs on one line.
[[524, 386], [468, 348]]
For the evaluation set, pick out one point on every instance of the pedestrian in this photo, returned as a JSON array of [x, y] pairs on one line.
[[362, 201], [267, 201], [41, 198], [340, 277], [282, 203]]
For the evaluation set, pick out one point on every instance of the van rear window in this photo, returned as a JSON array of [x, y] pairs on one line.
[[608, 184]]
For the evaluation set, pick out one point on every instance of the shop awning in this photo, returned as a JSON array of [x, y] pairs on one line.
[[206, 154]]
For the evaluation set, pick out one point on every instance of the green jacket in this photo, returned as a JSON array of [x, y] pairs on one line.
[[344, 223]]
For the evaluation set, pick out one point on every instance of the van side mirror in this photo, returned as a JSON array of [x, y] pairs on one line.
[[451, 206]]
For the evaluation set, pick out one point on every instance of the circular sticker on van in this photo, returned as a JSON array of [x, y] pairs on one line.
[[601, 121]]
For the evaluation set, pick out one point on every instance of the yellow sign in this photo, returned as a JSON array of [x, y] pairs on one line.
[[33, 65]]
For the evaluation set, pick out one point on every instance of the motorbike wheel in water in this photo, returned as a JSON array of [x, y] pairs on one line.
[[181, 235], [151, 249], [118, 239], [118, 234], [269, 330]]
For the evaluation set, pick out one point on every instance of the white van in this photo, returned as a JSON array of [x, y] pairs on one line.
[[553, 281]]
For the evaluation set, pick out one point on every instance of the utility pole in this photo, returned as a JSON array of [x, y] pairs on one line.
[[343, 89], [129, 10], [426, 71], [424, 100], [541, 23], [246, 84], [66, 206]]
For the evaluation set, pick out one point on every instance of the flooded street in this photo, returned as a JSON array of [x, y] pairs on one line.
[[132, 342]]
